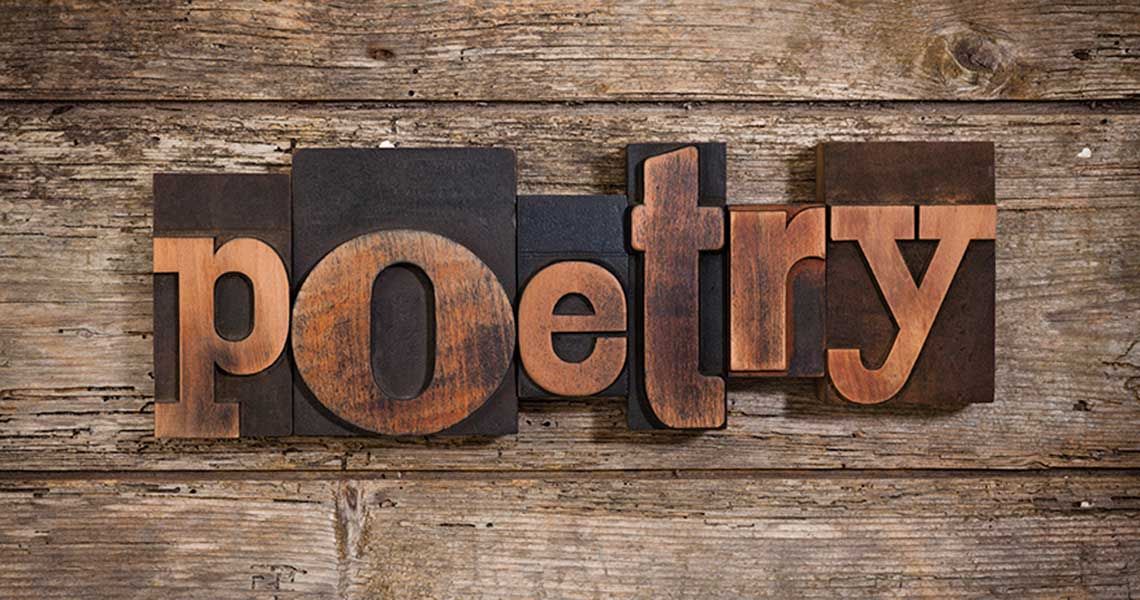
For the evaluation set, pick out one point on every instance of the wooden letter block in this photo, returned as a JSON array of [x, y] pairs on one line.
[[221, 297], [910, 289], [538, 322], [572, 256], [776, 291], [678, 231], [412, 256], [332, 320]]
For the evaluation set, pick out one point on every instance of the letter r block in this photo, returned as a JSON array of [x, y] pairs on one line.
[[776, 290]]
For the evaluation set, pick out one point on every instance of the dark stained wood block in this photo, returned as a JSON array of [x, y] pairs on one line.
[[777, 293], [222, 207], [875, 173], [555, 229], [946, 245], [464, 194], [685, 210]]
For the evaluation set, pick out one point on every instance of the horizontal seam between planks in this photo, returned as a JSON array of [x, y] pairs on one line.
[[592, 474], [1081, 103]]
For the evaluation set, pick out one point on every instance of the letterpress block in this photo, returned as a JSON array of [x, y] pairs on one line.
[[221, 296], [408, 323], [677, 234], [910, 289], [574, 274], [776, 290]]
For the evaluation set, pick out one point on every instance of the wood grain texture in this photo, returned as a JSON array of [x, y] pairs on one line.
[[75, 350], [670, 229], [590, 229], [869, 535], [222, 207], [200, 347], [552, 51], [642, 518], [539, 322], [466, 195], [776, 290], [474, 333]]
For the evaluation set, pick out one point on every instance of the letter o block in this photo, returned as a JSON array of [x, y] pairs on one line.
[[474, 325]]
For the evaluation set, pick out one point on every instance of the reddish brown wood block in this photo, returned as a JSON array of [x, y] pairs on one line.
[[217, 302], [910, 303], [776, 290], [201, 347], [670, 228], [538, 322], [588, 231], [332, 323]]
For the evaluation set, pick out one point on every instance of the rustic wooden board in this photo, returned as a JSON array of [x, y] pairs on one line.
[[543, 50], [581, 536], [75, 291]]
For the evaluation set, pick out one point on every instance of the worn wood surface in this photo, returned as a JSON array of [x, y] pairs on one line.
[[777, 291], [75, 282], [873, 535], [222, 207], [555, 51], [795, 498], [668, 230]]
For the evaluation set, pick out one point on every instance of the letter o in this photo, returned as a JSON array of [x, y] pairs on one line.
[[332, 323]]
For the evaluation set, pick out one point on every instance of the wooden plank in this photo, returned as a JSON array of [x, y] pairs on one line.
[[465, 197], [644, 50], [75, 290], [622, 536]]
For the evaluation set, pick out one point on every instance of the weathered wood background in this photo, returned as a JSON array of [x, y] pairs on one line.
[[1035, 495]]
